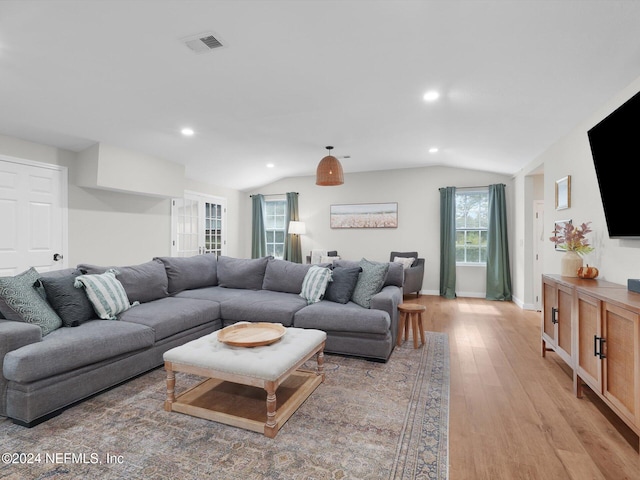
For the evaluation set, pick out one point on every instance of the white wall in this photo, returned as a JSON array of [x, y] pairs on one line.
[[617, 260], [416, 192], [115, 228]]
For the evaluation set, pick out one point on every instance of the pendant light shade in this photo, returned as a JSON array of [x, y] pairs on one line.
[[329, 171]]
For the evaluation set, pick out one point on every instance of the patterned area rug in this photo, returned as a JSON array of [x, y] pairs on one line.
[[367, 421]]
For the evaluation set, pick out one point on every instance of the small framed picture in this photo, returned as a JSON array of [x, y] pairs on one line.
[[563, 193]]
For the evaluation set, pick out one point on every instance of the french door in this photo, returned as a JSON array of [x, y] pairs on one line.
[[198, 225], [33, 216]]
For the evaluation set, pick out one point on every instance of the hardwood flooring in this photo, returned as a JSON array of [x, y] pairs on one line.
[[513, 414]]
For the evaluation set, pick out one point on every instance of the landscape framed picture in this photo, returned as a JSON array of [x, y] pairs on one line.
[[364, 215]]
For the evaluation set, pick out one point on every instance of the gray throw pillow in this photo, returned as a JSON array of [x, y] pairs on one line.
[[343, 285], [284, 276], [143, 283], [187, 273], [246, 273], [70, 303], [19, 301], [370, 281]]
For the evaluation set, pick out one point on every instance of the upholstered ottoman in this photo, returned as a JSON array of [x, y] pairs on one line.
[[238, 377]]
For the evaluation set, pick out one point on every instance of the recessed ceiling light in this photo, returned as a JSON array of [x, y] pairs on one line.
[[433, 150], [431, 96], [187, 132], [270, 165]]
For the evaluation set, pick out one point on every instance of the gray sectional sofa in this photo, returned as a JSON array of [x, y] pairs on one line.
[[178, 300]]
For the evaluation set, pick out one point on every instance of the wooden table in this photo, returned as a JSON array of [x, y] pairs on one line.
[[240, 381]]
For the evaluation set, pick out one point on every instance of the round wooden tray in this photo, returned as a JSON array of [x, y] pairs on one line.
[[251, 334]]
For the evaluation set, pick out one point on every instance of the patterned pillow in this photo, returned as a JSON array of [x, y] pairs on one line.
[[405, 261], [370, 282], [106, 293], [20, 301], [315, 283]]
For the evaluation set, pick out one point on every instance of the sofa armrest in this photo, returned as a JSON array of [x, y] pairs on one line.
[[14, 335], [388, 300]]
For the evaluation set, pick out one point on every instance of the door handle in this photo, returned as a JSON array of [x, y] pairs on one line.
[[600, 354], [598, 344], [57, 257], [554, 315]]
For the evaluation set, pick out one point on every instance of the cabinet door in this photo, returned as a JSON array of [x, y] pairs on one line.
[[589, 366], [550, 301], [564, 324], [620, 365]]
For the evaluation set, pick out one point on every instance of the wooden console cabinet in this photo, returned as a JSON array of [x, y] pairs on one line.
[[602, 320]]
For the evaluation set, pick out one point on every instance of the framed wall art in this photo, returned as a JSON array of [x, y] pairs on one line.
[[563, 193], [364, 215]]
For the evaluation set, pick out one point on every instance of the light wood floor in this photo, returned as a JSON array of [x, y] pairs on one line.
[[512, 413]]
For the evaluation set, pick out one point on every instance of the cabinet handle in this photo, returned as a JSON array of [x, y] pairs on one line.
[[600, 354], [554, 315], [595, 345]]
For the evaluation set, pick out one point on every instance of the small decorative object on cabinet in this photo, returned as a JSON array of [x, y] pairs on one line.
[[588, 272], [572, 240]]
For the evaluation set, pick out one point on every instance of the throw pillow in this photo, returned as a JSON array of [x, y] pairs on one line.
[[106, 293], [370, 282], [19, 301], [70, 303], [405, 261], [344, 283], [315, 283]]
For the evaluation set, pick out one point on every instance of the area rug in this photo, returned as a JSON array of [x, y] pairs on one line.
[[367, 420]]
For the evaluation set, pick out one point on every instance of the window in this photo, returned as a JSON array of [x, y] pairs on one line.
[[275, 211], [472, 222]]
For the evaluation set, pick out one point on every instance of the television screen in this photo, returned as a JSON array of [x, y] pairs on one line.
[[615, 147]]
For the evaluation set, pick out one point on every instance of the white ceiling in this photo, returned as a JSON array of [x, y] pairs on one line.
[[294, 76]]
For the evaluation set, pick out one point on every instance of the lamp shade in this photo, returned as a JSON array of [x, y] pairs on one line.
[[297, 228], [329, 171]]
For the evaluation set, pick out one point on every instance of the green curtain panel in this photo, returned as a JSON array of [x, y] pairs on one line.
[[448, 242], [258, 233], [498, 270], [292, 243]]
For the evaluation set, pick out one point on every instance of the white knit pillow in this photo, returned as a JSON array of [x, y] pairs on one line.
[[406, 262], [315, 283], [106, 293]]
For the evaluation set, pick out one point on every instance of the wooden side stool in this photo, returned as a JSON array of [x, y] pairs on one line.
[[411, 313]]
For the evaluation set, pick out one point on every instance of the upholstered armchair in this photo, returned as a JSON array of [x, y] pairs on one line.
[[413, 272], [319, 254]]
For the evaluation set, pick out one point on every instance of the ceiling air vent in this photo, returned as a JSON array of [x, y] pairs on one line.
[[202, 43]]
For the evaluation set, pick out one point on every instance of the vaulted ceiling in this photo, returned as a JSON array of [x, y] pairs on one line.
[[295, 76]]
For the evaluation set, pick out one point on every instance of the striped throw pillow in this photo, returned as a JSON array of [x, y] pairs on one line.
[[106, 293], [315, 283]]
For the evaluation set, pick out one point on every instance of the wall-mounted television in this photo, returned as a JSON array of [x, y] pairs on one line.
[[615, 147]]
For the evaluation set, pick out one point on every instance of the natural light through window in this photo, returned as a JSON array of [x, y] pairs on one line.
[[472, 222]]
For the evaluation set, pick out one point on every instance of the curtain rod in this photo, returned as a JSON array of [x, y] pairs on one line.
[[273, 194], [478, 186]]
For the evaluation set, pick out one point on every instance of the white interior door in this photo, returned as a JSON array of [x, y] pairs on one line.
[[538, 249], [33, 216], [198, 225]]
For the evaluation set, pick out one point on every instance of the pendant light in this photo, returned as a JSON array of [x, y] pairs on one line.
[[329, 171]]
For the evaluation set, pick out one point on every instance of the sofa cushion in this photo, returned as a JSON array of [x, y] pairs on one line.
[[370, 281], [71, 304], [315, 283], [185, 273], [343, 283], [336, 317], [284, 276], [262, 306], [168, 316], [213, 294], [395, 275], [20, 301], [67, 349], [247, 273], [105, 292], [143, 283]]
